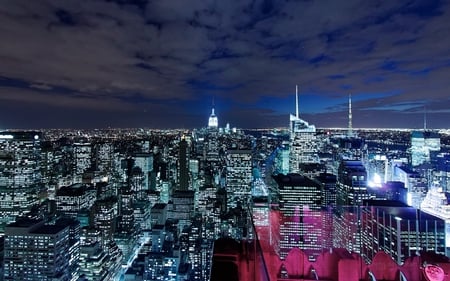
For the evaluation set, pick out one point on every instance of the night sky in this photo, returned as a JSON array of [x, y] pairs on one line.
[[162, 63]]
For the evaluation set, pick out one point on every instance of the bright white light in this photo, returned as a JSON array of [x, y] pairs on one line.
[[409, 199], [36, 137], [8, 137], [376, 181]]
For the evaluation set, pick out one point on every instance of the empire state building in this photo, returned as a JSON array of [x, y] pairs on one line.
[[213, 122]]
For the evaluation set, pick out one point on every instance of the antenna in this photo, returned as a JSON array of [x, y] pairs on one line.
[[350, 125], [296, 101], [424, 117]]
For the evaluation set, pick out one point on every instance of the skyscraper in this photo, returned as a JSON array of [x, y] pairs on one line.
[[213, 121], [183, 169], [422, 144], [303, 148], [238, 176], [35, 251], [351, 191], [302, 224], [20, 175]]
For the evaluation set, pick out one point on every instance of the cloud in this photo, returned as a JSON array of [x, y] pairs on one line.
[[127, 55]]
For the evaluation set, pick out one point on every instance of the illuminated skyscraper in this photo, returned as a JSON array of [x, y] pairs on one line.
[[238, 176], [20, 175], [82, 156], [422, 143], [35, 251], [437, 203], [303, 148], [351, 192], [399, 230], [213, 121], [302, 224]]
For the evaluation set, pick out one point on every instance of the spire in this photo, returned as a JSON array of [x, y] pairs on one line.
[[350, 125], [424, 117], [296, 101]]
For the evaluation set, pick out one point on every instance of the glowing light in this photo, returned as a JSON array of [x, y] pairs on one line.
[[8, 137], [409, 199], [376, 181]]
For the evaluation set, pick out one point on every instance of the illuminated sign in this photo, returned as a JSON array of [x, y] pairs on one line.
[[433, 272]]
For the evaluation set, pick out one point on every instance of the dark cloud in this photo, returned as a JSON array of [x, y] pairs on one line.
[[158, 62]]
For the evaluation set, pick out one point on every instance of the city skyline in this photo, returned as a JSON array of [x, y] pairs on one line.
[[98, 64]]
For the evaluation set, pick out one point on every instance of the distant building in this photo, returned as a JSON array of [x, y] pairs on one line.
[[145, 162], [70, 200], [82, 151], [351, 183], [183, 168], [422, 144], [415, 184], [213, 121], [182, 207]]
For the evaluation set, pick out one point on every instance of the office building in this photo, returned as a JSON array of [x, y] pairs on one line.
[[437, 203], [399, 230], [351, 183], [82, 152], [183, 168], [415, 184], [303, 142], [422, 144], [182, 207], [37, 251], [70, 200], [302, 225], [238, 176], [20, 174], [351, 192]]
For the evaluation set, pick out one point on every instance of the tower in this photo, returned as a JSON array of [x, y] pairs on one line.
[[303, 145], [350, 125], [213, 122]]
